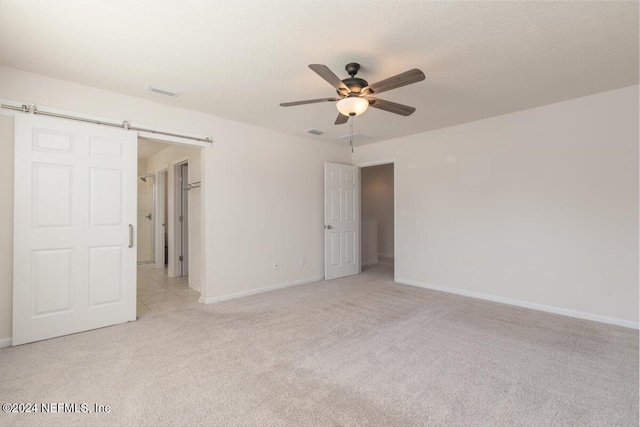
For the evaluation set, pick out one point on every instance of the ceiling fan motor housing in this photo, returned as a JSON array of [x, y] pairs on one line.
[[352, 68], [354, 83]]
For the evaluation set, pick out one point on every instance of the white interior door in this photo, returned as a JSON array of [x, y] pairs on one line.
[[341, 220], [75, 213]]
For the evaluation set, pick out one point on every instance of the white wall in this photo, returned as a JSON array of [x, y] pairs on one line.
[[267, 207], [142, 166], [166, 159], [377, 202], [6, 227], [542, 203], [262, 190]]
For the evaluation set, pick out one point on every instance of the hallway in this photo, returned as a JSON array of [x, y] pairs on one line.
[[157, 292]]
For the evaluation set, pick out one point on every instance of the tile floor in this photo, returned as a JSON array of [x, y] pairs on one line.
[[157, 292]]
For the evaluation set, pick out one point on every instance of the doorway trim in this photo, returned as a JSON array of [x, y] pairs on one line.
[[394, 162], [176, 239], [161, 176], [173, 215]]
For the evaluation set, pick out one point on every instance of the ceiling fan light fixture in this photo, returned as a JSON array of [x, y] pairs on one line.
[[352, 106]]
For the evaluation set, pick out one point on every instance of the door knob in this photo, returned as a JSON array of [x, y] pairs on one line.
[[329, 227], [148, 217]]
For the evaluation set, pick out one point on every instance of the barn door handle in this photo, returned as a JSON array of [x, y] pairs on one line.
[[130, 235]]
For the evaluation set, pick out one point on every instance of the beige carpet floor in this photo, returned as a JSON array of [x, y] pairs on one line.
[[355, 351]]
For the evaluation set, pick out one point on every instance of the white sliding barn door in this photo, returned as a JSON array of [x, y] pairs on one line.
[[75, 213], [341, 220]]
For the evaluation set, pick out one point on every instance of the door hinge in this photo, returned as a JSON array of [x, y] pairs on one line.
[[181, 258], [180, 218]]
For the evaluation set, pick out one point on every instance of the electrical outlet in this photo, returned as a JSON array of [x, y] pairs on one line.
[[276, 265], [302, 261], [472, 271]]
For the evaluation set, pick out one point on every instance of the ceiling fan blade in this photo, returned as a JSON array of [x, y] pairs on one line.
[[342, 119], [308, 101], [403, 79], [324, 72], [392, 107]]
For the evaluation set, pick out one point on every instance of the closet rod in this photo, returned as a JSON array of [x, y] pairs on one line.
[[124, 125]]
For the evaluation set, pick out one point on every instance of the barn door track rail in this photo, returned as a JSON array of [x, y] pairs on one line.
[[33, 109]]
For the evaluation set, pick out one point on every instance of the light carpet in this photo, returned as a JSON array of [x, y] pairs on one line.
[[355, 351]]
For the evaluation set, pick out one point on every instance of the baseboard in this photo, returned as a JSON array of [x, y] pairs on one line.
[[260, 290], [194, 287], [525, 304], [381, 255], [5, 342]]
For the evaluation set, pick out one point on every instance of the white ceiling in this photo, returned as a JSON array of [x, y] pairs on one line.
[[240, 59], [147, 147]]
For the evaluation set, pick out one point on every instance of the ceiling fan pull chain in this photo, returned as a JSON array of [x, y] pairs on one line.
[[351, 132]]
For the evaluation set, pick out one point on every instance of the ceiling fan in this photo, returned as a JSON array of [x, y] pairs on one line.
[[355, 94]]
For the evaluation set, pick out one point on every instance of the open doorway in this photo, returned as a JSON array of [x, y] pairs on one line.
[[169, 268], [149, 219], [378, 215], [146, 218]]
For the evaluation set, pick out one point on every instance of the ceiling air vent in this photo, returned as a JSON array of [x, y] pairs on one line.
[[314, 131], [164, 90]]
